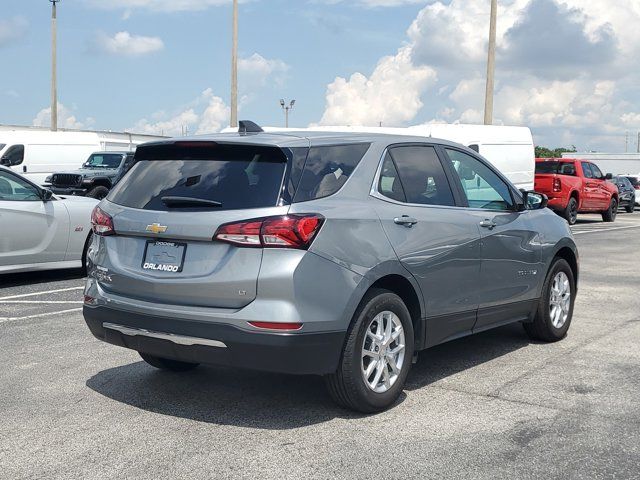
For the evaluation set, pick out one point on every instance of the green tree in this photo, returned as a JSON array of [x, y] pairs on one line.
[[544, 152]]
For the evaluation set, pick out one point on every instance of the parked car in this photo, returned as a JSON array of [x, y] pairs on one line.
[[627, 194], [635, 182], [41, 231], [576, 186], [336, 254], [36, 152], [95, 178]]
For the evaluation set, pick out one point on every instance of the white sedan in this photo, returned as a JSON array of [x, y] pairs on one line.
[[39, 230]]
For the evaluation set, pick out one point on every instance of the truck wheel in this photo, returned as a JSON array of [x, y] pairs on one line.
[[630, 208], [377, 354], [555, 308], [167, 363], [98, 192], [571, 212], [609, 215]]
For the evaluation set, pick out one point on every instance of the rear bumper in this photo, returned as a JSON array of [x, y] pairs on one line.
[[218, 344], [558, 203]]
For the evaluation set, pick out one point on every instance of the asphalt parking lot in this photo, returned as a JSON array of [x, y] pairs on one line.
[[494, 405]]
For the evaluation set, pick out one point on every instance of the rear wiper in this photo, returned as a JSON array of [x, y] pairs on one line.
[[189, 202]]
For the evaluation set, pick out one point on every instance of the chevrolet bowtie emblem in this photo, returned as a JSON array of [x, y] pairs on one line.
[[156, 228]]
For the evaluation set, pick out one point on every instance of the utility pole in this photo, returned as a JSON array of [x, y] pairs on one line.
[[54, 67], [286, 109], [638, 150], [491, 65], [234, 68], [626, 142]]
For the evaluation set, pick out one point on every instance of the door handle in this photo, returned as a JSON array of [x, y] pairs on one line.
[[405, 220], [486, 223]]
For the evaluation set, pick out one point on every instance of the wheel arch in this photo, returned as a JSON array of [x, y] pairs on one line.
[[101, 182], [570, 255]]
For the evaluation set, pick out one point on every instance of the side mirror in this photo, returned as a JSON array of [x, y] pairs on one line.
[[534, 200], [46, 195], [608, 176], [5, 161]]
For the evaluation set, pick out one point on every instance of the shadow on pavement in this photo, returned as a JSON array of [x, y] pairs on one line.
[[34, 278], [272, 401]]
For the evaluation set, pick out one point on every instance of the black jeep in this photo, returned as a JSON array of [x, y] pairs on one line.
[[96, 176]]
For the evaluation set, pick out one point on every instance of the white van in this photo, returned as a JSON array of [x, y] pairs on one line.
[[36, 153], [509, 149]]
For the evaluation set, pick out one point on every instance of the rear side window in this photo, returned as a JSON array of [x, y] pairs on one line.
[[211, 176], [327, 169], [422, 178], [634, 181]]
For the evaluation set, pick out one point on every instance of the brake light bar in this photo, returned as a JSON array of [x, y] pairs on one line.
[[101, 222], [286, 231]]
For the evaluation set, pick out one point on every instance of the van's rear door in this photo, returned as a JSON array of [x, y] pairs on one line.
[[166, 212]]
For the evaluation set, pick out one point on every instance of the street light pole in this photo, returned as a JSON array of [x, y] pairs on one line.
[[491, 65], [54, 69], [286, 109], [234, 68]]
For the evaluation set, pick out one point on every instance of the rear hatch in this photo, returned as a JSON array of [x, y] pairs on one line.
[[165, 214]]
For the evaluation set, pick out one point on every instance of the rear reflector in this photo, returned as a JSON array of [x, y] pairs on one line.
[[287, 231], [101, 222], [276, 325]]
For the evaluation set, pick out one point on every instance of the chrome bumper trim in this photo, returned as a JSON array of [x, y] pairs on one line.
[[172, 337]]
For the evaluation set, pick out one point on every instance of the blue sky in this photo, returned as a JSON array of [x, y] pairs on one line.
[[159, 65]]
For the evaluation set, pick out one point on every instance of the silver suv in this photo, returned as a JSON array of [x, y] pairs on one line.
[[321, 253]]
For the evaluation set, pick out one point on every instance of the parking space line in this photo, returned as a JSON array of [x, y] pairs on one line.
[[34, 294], [39, 315], [605, 229], [37, 302]]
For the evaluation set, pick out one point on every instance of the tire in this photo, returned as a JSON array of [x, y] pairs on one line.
[[98, 192], [85, 251], [168, 364], [630, 208], [610, 214], [347, 386], [570, 213], [543, 327]]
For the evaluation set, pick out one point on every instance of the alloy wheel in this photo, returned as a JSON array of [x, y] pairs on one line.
[[383, 351], [560, 300]]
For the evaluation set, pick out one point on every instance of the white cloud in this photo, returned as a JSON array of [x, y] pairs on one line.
[[391, 95], [12, 29], [572, 80], [66, 119], [157, 5], [256, 70], [206, 114], [124, 43]]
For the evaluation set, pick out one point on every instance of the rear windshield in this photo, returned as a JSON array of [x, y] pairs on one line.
[[559, 168], [223, 177], [103, 160]]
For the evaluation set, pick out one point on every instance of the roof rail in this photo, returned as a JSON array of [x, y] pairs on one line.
[[247, 126]]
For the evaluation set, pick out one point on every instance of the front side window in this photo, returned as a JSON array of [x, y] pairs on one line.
[[596, 172], [481, 185], [421, 177], [14, 155], [14, 189]]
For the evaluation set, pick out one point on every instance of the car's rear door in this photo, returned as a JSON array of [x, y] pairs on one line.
[[435, 241], [33, 231], [167, 211], [511, 249]]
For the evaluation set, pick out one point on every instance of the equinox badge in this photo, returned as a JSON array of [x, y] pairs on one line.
[[156, 228]]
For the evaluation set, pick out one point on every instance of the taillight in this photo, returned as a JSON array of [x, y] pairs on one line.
[[101, 222], [557, 185], [637, 187], [287, 231]]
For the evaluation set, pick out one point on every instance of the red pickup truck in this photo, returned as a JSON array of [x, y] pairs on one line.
[[576, 186]]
